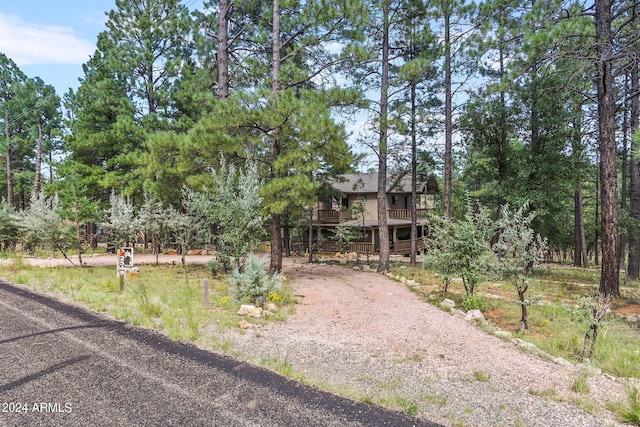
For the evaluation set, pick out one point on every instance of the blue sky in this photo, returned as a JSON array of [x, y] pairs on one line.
[[52, 39]]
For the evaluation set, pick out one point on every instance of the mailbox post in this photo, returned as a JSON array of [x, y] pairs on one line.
[[121, 270]]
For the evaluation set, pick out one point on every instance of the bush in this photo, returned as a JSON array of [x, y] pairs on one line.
[[475, 302], [253, 282]]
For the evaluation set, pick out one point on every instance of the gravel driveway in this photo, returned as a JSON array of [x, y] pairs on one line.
[[364, 335], [373, 338]]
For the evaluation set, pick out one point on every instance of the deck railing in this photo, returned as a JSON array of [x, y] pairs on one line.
[[405, 213], [404, 246], [332, 216], [359, 247], [400, 247]]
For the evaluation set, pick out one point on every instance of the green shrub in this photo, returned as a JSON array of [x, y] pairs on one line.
[[475, 302], [253, 282]]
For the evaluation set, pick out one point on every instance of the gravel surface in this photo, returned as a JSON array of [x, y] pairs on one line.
[[370, 336], [365, 335]]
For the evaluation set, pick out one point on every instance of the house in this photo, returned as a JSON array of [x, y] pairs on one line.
[[353, 202]]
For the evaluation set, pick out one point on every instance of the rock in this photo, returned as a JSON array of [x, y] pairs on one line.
[[505, 335], [475, 315], [271, 306], [458, 313], [245, 309], [631, 319], [524, 344], [411, 282], [245, 325], [256, 312], [403, 280], [562, 362], [447, 303]]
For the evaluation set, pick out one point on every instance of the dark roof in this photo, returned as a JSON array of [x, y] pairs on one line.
[[368, 183]]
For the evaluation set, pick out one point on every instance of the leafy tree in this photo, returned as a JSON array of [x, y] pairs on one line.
[[9, 228], [193, 225], [463, 246], [17, 103], [78, 208], [519, 248], [120, 223], [41, 226], [439, 254], [150, 40], [236, 205], [232, 211], [158, 223], [103, 132]]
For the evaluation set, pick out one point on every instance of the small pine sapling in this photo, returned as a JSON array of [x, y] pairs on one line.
[[253, 282]]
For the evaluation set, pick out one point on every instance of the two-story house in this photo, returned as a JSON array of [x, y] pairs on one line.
[[355, 204]]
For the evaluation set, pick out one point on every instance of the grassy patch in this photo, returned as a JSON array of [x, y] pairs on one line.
[[160, 298], [581, 384], [547, 393], [629, 410], [553, 327], [400, 403]]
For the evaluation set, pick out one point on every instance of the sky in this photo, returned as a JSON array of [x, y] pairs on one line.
[[51, 39]]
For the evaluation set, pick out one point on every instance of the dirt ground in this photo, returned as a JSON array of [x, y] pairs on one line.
[[363, 331]]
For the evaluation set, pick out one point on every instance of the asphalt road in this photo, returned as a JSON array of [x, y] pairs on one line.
[[61, 365]]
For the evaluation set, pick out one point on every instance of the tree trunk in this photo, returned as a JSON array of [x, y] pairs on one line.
[[310, 244], [9, 160], [524, 319], [581, 258], [448, 136], [223, 50], [624, 155], [609, 279], [79, 232], [596, 240], [287, 239], [633, 268], [383, 228], [414, 178], [37, 177], [275, 265]]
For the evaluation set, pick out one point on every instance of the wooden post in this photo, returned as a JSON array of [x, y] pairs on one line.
[[206, 293], [121, 271]]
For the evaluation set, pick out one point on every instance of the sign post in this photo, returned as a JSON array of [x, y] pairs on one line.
[[121, 270]]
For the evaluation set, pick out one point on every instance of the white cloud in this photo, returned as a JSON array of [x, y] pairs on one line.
[[29, 43]]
